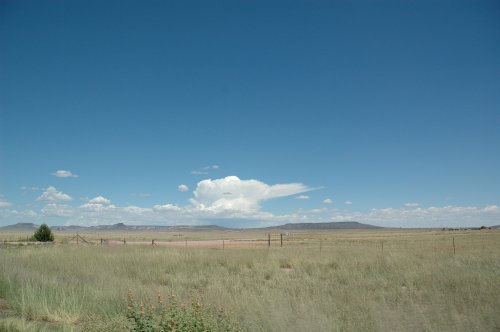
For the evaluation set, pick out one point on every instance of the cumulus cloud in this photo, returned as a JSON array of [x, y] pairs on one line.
[[411, 204], [4, 203], [52, 195], [182, 188], [348, 202], [245, 195], [64, 174], [98, 203], [99, 200], [327, 201], [302, 197]]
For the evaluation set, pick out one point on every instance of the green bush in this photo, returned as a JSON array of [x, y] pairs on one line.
[[173, 316], [43, 234]]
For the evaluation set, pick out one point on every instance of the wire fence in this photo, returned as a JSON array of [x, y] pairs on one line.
[[476, 242]]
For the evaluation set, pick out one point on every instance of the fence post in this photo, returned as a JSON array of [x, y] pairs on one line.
[[222, 244], [320, 245], [453, 246], [153, 242], [77, 238], [382, 245], [101, 241], [268, 240], [124, 241], [186, 243], [281, 239]]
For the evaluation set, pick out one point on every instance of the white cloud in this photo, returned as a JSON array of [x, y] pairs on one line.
[[57, 210], [199, 173], [327, 201], [182, 188], [20, 216], [98, 203], [4, 203], [302, 197], [25, 188], [166, 207], [321, 210], [492, 209], [411, 204], [348, 202], [52, 195], [64, 174], [205, 170], [245, 195], [446, 216], [140, 195], [136, 209], [99, 200]]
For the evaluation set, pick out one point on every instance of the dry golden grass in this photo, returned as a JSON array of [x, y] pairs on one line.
[[319, 281]]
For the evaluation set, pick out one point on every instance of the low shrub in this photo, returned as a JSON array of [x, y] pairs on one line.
[[172, 315]]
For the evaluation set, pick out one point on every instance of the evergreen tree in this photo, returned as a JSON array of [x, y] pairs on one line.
[[44, 234]]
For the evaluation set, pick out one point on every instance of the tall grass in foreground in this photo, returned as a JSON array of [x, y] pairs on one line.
[[345, 287]]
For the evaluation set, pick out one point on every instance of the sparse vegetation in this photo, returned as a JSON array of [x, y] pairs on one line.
[[414, 284]]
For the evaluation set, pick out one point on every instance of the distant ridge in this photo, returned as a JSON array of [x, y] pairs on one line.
[[122, 227], [22, 226], [325, 225]]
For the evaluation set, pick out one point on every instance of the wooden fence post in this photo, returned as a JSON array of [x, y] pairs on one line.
[[268, 240], [222, 244], [77, 238], [101, 241], [281, 239]]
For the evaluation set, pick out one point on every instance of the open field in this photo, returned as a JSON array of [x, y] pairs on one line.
[[376, 280]]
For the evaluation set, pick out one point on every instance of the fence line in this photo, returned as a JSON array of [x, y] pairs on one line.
[[453, 244]]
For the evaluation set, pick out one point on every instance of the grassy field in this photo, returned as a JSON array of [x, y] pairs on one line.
[[383, 280]]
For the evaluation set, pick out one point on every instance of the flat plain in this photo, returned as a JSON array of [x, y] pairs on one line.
[[335, 280]]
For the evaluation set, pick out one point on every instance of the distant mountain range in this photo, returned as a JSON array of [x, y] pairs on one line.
[[123, 227], [23, 226], [115, 227], [325, 225]]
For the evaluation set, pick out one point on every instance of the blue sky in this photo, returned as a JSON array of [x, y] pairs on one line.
[[384, 112]]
